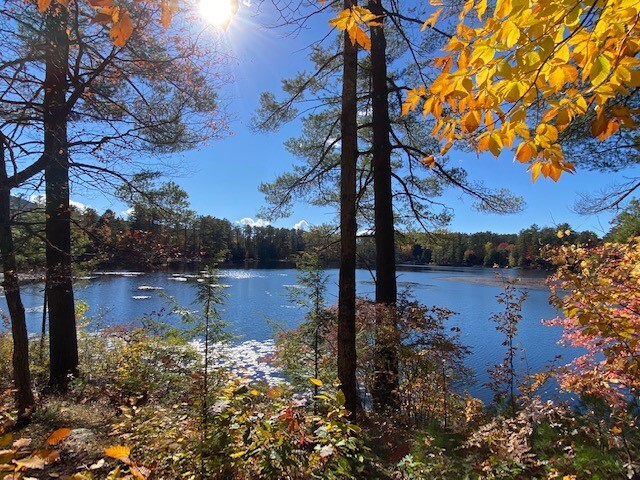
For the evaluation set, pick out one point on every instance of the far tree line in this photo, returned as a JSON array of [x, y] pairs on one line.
[[157, 235]]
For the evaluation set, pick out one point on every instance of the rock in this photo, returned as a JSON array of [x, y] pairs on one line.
[[79, 438]]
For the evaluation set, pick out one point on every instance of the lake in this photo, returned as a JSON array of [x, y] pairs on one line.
[[258, 298]]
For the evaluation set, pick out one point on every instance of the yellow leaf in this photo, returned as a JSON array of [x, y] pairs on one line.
[[484, 53], [359, 36], [117, 451], [510, 34], [59, 435], [514, 91], [471, 121], [122, 29], [489, 121], [495, 144], [503, 8], [556, 79], [600, 70], [481, 8], [483, 142], [342, 20], [431, 21], [412, 99], [546, 134], [535, 170], [43, 5], [316, 382]]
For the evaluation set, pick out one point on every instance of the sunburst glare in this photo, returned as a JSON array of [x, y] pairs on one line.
[[217, 12]]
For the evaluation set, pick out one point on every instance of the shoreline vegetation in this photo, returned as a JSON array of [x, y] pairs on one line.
[[146, 402]]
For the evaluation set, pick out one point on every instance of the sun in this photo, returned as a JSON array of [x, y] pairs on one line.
[[217, 12]]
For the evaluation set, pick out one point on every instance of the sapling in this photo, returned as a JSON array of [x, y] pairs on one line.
[[504, 375]]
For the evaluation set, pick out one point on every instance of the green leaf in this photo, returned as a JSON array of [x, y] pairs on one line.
[[600, 70]]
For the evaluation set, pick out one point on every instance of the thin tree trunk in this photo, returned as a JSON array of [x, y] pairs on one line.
[[385, 386], [11, 284], [63, 343], [347, 280]]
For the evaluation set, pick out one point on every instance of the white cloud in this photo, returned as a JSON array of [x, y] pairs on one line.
[[302, 225], [81, 207], [253, 223], [127, 213], [38, 198], [365, 232]]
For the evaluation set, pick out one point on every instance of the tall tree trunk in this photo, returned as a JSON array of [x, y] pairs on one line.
[[63, 343], [347, 280], [21, 372], [386, 350]]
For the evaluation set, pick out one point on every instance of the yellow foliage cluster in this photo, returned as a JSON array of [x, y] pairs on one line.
[[528, 71], [351, 20]]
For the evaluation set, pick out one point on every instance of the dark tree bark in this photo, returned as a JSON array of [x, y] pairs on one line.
[[386, 355], [63, 343], [11, 284], [347, 281]]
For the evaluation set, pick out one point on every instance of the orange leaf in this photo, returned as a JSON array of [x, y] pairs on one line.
[[118, 451], [429, 161], [101, 3], [43, 5], [525, 152], [167, 13], [101, 18], [122, 29], [49, 456], [59, 435], [554, 172]]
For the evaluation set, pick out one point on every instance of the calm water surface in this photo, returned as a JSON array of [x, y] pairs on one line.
[[256, 298]]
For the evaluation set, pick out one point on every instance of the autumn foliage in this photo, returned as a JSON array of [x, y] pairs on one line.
[[116, 16], [597, 291], [519, 73]]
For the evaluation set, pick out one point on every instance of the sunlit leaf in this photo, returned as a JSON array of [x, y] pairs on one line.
[[117, 451], [58, 435], [122, 29]]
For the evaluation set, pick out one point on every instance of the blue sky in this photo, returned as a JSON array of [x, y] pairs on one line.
[[222, 178]]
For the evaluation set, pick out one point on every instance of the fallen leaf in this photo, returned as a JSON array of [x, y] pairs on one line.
[[33, 461], [118, 451], [22, 443], [59, 435], [97, 465]]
